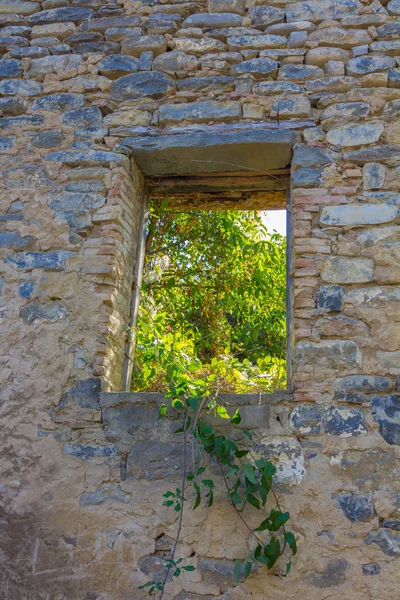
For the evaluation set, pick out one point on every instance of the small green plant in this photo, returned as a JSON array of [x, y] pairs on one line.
[[248, 479]]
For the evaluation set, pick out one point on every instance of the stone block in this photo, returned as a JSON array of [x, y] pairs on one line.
[[387, 539], [262, 16], [371, 569], [28, 177], [212, 20], [330, 298], [20, 87], [19, 7], [23, 121], [391, 48], [13, 106], [7, 142], [234, 6], [60, 15], [14, 241], [356, 507], [29, 52], [393, 7], [146, 61], [107, 492], [26, 261], [88, 452], [117, 65], [312, 156], [102, 24], [48, 139], [82, 117], [287, 456], [199, 47], [12, 41], [363, 65], [49, 312], [367, 384], [294, 107], [176, 62], [374, 176], [327, 354], [386, 412], [54, 64], [58, 102], [119, 34], [213, 84], [269, 88], [344, 111], [340, 38], [333, 83], [134, 46], [25, 289], [299, 72], [352, 215], [139, 85], [92, 157], [297, 39], [355, 134], [342, 269], [307, 178], [321, 10], [10, 67], [257, 67], [343, 422], [209, 110], [333, 575], [96, 48], [255, 42], [334, 67], [86, 393], [152, 459], [306, 419]]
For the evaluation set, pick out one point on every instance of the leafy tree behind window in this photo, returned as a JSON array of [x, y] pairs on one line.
[[213, 300]]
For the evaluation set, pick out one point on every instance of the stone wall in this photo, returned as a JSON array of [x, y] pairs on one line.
[[82, 84]]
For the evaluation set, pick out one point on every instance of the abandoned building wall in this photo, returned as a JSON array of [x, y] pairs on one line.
[[77, 79]]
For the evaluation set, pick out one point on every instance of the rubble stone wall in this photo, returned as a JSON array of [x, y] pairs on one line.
[[76, 79]]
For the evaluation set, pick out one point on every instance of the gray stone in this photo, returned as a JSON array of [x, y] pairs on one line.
[[76, 157], [255, 42], [75, 202], [28, 177], [34, 313], [25, 289], [330, 298], [101, 25], [374, 176], [138, 85], [341, 38], [10, 67], [7, 142], [306, 419], [312, 156], [288, 28], [12, 41], [268, 88], [134, 46], [334, 83], [299, 72], [87, 453], [96, 48], [394, 78], [307, 178], [386, 412], [213, 20], [376, 153], [234, 6], [48, 139], [358, 214], [335, 571], [390, 48], [371, 569], [342, 269], [119, 34], [152, 459], [387, 539], [146, 61], [343, 422], [175, 62], [344, 111], [363, 383], [117, 65], [369, 64], [328, 354], [20, 87], [217, 571], [356, 507], [47, 42], [30, 52], [262, 16], [392, 109], [287, 456], [19, 7], [48, 261], [60, 15], [14, 241], [393, 7], [60, 49], [82, 117], [59, 102], [355, 134], [107, 492], [208, 110], [223, 34], [297, 39], [23, 121], [86, 393], [207, 84], [294, 107], [258, 67], [54, 64], [391, 524], [321, 10], [388, 30], [351, 398]]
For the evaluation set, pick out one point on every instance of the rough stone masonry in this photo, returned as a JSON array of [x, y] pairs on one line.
[[79, 78]]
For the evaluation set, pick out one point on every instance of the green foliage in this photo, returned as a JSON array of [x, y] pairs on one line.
[[214, 293]]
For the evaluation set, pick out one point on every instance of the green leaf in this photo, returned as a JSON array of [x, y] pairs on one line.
[[193, 403], [200, 470], [288, 567], [251, 499], [248, 470], [241, 453], [266, 524], [236, 419], [291, 541], [280, 520], [222, 412], [162, 411], [190, 476], [168, 502], [208, 483], [237, 570], [177, 507], [247, 569], [210, 499], [248, 434], [177, 572], [198, 495], [189, 568], [169, 495]]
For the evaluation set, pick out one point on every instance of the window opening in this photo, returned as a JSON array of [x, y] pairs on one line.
[[213, 299]]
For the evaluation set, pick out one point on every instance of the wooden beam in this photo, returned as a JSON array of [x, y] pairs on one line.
[[253, 200]]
